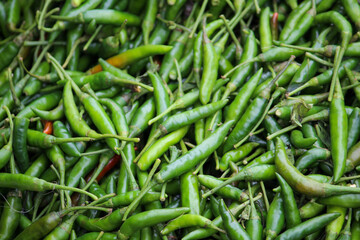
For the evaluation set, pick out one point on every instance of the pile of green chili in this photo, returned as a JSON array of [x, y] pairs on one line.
[[179, 119]]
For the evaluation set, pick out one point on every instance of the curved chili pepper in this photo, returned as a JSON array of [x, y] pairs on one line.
[[343, 201], [109, 166], [308, 227], [188, 220], [210, 69], [124, 199], [61, 132], [55, 114], [83, 166], [311, 157], [261, 172], [233, 229], [45, 102], [352, 9], [25, 182], [198, 50], [133, 55], [301, 183], [38, 166], [148, 218]]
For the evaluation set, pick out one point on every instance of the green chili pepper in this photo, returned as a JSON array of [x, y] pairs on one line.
[[239, 76], [298, 140], [239, 104], [189, 220], [61, 131], [55, 114], [160, 147], [20, 141], [308, 227], [147, 219], [293, 19], [253, 226], [10, 216], [236, 155], [190, 196], [333, 229], [275, 220], [109, 223], [311, 157], [227, 191], [194, 156], [291, 211], [210, 69], [301, 183], [338, 132]]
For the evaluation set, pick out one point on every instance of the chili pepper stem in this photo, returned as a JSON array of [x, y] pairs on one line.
[[133, 184], [94, 152], [319, 60], [282, 131], [138, 199], [162, 193], [62, 187], [263, 189], [72, 209], [306, 49], [198, 19], [161, 115], [256, 59], [349, 178], [74, 139], [91, 39]]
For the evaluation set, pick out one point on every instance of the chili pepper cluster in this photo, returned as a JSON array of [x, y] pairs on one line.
[[179, 119]]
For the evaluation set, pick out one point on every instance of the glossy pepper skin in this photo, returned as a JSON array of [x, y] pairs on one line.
[[338, 132], [233, 229], [194, 156], [148, 218]]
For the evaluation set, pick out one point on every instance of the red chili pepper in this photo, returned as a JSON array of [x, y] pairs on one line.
[[48, 127], [274, 26], [113, 161]]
